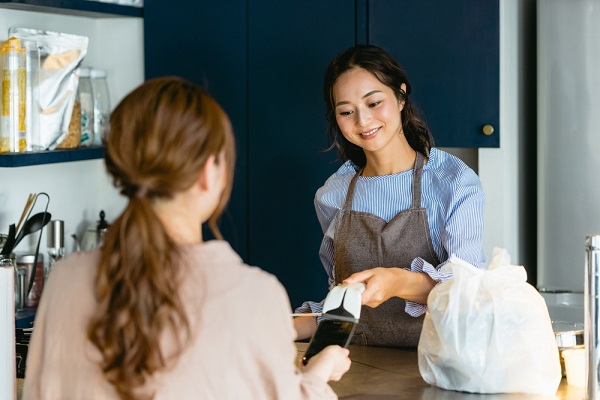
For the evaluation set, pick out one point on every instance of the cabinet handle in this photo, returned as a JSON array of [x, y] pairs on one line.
[[488, 129]]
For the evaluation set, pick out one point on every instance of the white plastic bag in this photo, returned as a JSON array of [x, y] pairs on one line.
[[488, 331]]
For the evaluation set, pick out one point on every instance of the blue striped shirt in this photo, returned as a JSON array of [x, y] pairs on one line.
[[451, 194]]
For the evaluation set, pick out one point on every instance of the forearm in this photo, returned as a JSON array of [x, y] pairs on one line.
[[305, 327], [413, 286]]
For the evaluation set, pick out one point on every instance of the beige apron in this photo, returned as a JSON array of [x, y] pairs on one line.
[[363, 241]]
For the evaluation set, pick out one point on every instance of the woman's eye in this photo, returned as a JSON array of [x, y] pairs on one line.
[[345, 112], [374, 104]]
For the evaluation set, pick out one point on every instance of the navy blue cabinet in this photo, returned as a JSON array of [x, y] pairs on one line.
[[451, 53], [290, 45], [206, 44], [264, 62]]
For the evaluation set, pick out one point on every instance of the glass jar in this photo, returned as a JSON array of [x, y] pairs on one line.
[[12, 117], [86, 100], [101, 105]]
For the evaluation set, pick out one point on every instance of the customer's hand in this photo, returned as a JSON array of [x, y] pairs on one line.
[[330, 364]]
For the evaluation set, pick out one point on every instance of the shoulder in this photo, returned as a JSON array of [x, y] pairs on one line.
[[226, 269], [449, 170], [335, 187]]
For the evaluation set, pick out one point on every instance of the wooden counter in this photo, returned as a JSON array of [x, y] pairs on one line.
[[386, 373]]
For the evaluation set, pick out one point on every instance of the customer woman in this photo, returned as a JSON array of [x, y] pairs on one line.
[[397, 208], [157, 312]]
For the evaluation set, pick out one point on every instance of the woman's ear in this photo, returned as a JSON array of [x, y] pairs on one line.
[[402, 100], [209, 174]]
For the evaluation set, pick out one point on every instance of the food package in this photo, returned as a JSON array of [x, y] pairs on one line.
[[488, 331], [60, 56]]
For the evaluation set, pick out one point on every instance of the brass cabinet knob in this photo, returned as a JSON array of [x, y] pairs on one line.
[[488, 129]]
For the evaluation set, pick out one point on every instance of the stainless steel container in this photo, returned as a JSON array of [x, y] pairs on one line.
[[592, 314]]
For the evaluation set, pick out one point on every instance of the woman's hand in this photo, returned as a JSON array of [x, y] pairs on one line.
[[385, 283], [330, 364]]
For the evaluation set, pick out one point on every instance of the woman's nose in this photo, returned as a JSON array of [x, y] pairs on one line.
[[363, 117]]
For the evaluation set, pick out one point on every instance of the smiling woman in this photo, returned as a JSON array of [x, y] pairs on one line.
[[397, 208]]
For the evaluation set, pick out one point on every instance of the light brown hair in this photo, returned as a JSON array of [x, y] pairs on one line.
[[161, 136]]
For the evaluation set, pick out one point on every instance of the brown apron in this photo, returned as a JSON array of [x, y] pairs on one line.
[[363, 241]]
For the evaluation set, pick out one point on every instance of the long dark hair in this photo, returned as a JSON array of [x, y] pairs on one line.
[[387, 70], [161, 136]]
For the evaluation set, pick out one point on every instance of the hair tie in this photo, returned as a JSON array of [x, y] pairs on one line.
[[141, 192]]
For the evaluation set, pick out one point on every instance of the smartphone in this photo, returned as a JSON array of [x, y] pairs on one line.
[[329, 332]]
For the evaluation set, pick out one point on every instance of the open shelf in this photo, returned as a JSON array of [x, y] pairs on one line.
[[83, 8], [50, 157]]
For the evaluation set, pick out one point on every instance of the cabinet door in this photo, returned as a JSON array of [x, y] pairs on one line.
[[450, 50], [290, 45], [206, 44]]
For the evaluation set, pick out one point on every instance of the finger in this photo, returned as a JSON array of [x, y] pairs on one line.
[[361, 276]]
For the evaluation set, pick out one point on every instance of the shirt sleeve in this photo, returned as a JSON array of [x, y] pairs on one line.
[[278, 354], [462, 234]]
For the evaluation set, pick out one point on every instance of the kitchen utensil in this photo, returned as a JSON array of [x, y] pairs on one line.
[[10, 241], [31, 225], [28, 205]]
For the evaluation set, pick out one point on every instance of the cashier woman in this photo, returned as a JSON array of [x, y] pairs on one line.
[[397, 209]]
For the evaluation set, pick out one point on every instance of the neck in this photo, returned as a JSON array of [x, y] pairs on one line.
[[179, 220], [390, 160]]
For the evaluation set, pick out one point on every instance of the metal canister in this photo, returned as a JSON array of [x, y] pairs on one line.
[[32, 298], [592, 315]]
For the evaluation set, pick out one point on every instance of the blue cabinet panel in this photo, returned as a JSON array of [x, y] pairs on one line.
[[290, 45], [451, 53], [206, 44]]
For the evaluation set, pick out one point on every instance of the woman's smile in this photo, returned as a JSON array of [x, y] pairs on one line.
[[370, 134]]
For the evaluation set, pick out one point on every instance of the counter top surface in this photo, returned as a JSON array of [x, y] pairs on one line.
[[379, 373]]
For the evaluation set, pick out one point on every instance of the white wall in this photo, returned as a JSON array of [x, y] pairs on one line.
[[77, 190]]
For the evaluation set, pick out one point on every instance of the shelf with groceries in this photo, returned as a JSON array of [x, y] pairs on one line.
[[9, 160], [82, 28], [83, 8]]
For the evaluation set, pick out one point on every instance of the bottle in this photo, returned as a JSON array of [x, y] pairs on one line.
[[101, 105], [12, 126], [86, 101]]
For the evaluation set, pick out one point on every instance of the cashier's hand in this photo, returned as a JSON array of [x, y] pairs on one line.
[[330, 364], [384, 283]]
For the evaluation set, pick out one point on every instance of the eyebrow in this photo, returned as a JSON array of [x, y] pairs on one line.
[[339, 103]]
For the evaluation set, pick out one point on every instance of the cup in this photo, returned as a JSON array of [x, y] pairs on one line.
[[575, 367]]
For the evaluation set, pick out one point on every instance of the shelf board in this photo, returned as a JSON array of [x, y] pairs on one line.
[[50, 157], [84, 8]]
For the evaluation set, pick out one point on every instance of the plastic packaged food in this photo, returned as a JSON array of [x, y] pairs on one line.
[[60, 55]]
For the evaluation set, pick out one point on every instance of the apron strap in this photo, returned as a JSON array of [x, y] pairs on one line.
[[416, 183], [350, 195]]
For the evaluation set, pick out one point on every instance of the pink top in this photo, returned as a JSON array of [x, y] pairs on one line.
[[233, 354]]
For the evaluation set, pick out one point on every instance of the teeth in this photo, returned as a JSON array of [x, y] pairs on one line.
[[370, 132]]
